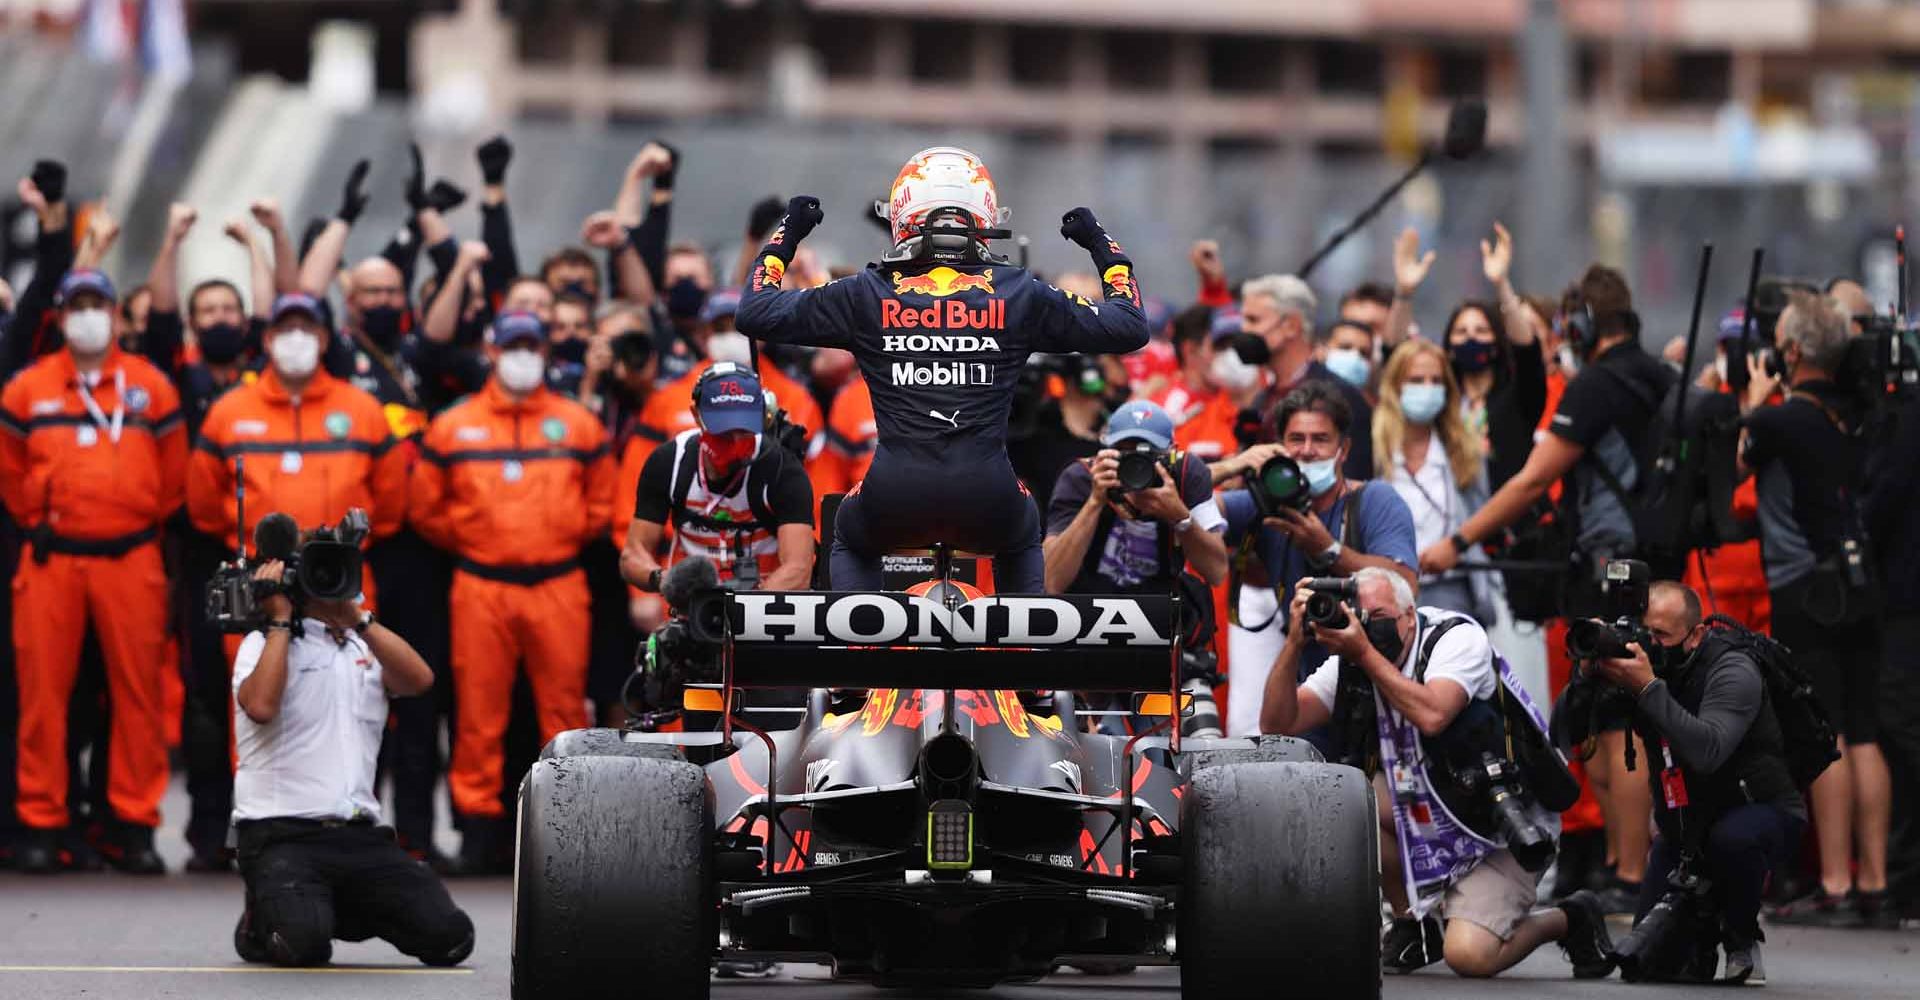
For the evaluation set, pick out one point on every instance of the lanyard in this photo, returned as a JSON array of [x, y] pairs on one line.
[[112, 427]]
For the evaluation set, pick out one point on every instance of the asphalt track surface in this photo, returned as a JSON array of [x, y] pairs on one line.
[[105, 936]]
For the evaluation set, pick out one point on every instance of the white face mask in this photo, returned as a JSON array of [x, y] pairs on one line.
[[88, 331], [296, 353], [1231, 373], [730, 346], [1350, 365], [1569, 361], [520, 370], [1720, 367]]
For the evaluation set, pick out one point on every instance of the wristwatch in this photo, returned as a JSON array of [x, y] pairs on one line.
[[1328, 557], [1460, 543], [365, 622], [653, 580], [280, 625]]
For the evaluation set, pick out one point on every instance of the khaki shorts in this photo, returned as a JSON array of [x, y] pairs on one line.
[[1497, 894]]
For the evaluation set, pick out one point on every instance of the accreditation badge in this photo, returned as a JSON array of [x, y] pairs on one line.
[[86, 435], [511, 471], [291, 462]]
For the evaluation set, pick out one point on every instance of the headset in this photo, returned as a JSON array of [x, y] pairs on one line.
[[1581, 323]]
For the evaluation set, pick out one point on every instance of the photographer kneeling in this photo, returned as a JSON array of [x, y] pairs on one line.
[[311, 689], [1422, 705], [1724, 795]]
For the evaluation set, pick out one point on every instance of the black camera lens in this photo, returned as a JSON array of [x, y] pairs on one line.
[[329, 571], [1137, 470], [1588, 639], [1324, 610], [1280, 484]]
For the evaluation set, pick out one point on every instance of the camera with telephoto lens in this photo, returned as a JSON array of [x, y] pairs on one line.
[[1679, 939], [326, 566], [1477, 776], [1279, 485], [1199, 674], [1323, 605], [1497, 782]]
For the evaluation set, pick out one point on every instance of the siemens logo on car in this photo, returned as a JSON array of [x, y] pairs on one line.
[[950, 373], [904, 620]]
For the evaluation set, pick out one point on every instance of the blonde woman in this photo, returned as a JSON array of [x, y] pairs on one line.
[[1424, 450]]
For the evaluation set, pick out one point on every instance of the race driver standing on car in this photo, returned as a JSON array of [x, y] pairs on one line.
[[940, 329]]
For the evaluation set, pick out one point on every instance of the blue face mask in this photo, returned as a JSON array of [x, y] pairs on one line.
[[1321, 475], [1422, 402], [1351, 366]]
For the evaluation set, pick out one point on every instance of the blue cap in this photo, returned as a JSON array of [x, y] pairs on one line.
[[513, 327], [297, 303], [1158, 313], [1139, 421], [86, 279], [1226, 323], [728, 398], [722, 302]]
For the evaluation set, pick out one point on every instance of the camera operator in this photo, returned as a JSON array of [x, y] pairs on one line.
[[1335, 526], [732, 493], [311, 688], [1806, 461], [1104, 537], [1423, 668], [1720, 780]]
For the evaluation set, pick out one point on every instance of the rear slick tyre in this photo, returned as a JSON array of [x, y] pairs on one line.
[[612, 882], [1281, 884]]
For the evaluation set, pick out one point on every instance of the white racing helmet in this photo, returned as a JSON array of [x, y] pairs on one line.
[[941, 177]]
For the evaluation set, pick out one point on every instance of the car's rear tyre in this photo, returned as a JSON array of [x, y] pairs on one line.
[[612, 881], [600, 742], [1270, 749], [1281, 882]]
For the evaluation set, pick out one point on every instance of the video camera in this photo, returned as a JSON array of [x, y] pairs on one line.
[[675, 653], [326, 566]]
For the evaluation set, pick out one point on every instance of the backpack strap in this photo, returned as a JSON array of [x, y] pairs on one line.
[[1434, 631]]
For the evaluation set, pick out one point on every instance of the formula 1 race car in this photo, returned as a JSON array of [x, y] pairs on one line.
[[934, 820]]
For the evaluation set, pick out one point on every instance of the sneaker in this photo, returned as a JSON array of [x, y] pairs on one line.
[[735, 968], [1743, 965], [130, 849], [1876, 911], [38, 853], [1620, 896], [1588, 946], [1820, 909], [1411, 945]]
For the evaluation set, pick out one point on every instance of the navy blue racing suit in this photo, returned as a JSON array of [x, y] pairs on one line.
[[941, 346]]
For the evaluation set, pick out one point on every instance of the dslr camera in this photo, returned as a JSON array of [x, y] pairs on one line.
[[1624, 588], [1323, 605], [1679, 939], [1279, 485], [1139, 465], [325, 566]]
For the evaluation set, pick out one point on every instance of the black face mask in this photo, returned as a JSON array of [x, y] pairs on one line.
[[569, 352], [220, 344], [1383, 632], [684, 299], [1668, 659], [579, 289], [382, 325]]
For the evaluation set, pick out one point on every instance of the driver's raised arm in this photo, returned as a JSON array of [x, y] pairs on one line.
[[815, 317], [1067, 322]]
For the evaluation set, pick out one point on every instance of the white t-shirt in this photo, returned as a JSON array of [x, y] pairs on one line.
[[1430, 495], [1463, 656], [316, 759]]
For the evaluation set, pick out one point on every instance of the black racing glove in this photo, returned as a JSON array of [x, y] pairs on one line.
[[50, 176], [663, 181], [417, 180], [803, 213], [353, 199], [444, 196], [1080, 227], [1116, 269], [494, 155], [765, 215]]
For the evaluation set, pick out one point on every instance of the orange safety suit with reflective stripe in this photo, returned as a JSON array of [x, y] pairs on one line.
[[513, 488], [91, 467]]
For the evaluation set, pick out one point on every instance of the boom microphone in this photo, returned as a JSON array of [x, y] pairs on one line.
[[687, 579], [275, 537], [1466, 130]]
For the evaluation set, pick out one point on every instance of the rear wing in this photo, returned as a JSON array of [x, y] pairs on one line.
[[805, 639]]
